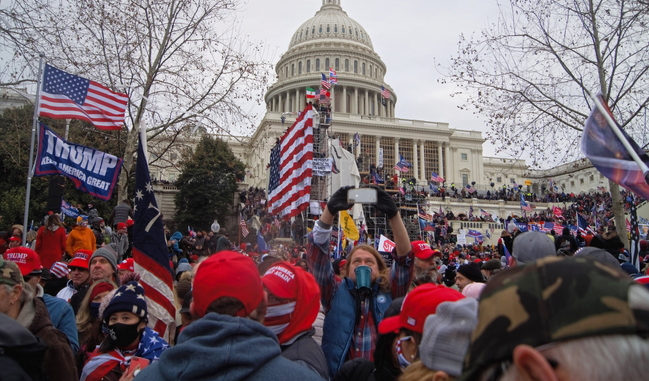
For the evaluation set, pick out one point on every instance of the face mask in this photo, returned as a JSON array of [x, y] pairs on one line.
[[278, 317], [83, 224], [123, 334], [403, 363], [94, 309]]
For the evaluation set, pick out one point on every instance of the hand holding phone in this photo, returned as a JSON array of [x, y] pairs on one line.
[[137, 364], [361, 196]]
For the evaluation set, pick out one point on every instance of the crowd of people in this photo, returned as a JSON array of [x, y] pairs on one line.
[[535, 306]]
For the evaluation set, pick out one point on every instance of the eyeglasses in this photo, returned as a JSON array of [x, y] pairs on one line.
[[73, 269]]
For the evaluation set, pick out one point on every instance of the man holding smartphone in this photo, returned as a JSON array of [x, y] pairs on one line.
[[355, 305]]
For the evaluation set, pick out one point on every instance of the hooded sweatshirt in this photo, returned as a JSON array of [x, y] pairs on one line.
[[296, 339], [80, 238], [221, 347]]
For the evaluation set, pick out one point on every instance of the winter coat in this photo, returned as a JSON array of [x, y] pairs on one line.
[[21, 357], [221, 347], [59, 359], [610, 242], [120, 213], [80, 238], [50, 245], [305, 351], [121, 244], [175, 249], [63, 319]]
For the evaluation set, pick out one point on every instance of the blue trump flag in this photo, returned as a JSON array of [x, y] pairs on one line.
[[605, 150], [92, 171]]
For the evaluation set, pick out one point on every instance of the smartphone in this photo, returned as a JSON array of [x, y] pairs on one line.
[[361, 196], [135, 361]]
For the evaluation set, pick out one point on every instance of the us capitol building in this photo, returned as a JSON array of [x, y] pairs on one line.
[[332, 39]]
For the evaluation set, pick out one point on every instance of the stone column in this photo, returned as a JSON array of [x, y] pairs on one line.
[[481, 168], [376, 105], [343, 108], [422, 158], [296, 104], [389, 108], [415, 162], [355, 105], [396, 151], [273, 104], [332, 90], [282, 103], [440, 164], [447, 164], [378, 148], [367, 102]]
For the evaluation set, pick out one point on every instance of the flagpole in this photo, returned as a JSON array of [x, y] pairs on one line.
[[339, 254], [30, 169], [618, 133]]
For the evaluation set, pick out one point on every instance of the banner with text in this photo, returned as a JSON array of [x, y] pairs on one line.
[[90, 170], [321, 166]]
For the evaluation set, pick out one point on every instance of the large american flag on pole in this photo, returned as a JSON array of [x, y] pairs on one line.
[[291, 164], [150, 252], [66, 96]]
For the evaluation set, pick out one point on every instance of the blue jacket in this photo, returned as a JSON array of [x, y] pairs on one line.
[[220, 347], [177, 236], [63, 319], [341, 319]]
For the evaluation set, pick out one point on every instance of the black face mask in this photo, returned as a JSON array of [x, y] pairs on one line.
[[123, 335]]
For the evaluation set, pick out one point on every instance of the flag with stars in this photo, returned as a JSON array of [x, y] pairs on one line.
[[66, 96], [150, 252]]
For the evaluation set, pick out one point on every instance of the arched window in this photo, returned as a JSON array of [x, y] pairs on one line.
[[328, 29], [370, 70], [337, 64], [363, 68], [286, 76], [300, 34], [350, 30], [308, 66], [343, 29], [299, 67], [346, 65], [355, 67], [335, 28], [320, 30], [362, 35], [327, 66], [356, 32], [306, 32], [313, 30], [317, 64], [292, 70]]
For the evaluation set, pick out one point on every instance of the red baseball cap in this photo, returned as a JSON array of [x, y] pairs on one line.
[[15, 238], [342, 263], [26, 259], [81, 259], [127, 264], [121, 225], [418, 304], [422, 250], [280, 281], [129, 223], [227, 274]]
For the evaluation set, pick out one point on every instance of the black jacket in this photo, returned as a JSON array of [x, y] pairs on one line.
[[306, 350]]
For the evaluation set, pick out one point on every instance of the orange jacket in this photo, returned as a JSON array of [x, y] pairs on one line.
[[80, 239]]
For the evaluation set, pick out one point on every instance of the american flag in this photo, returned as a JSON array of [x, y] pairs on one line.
[[582, 225], [423, 214], [291, 163], [244, 227], [558, 229], [325, 81], [484, 213], [547, 227], [470, 189], [525, 205], [150, 252], [436, 178], [66, 96], [385, 92], [402, 165]]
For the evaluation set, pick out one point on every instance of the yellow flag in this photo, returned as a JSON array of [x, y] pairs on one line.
[[348, 226]]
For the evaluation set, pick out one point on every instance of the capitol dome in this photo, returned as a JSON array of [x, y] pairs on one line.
[[331, 22], [332, 40]]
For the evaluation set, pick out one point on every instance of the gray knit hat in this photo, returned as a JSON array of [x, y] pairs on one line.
[[447, 335], [107, 252]]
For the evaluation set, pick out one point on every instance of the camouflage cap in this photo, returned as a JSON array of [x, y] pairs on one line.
[[553, 299], [10, 273]]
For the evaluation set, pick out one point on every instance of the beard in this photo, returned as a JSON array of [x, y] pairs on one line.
[[423, 276]]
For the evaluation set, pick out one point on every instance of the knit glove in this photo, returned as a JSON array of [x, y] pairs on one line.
[[338, 201], [385, 203]]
